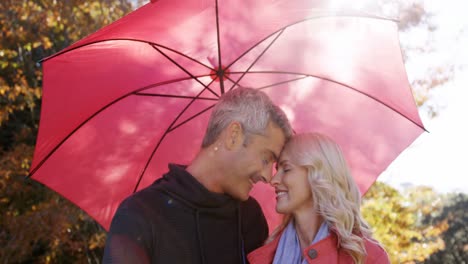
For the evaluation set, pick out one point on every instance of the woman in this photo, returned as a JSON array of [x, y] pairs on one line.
[[321, 203]]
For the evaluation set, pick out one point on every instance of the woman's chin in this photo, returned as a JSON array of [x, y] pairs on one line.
[[282, 210]]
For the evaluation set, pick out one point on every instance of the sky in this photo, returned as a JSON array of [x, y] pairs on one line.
[[438, 159]]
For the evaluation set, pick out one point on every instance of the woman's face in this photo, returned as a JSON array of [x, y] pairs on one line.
[[292, 188]]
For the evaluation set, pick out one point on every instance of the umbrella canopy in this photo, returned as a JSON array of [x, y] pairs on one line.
[[122, 103]]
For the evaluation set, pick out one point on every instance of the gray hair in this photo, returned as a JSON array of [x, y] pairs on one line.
[[252, 108]]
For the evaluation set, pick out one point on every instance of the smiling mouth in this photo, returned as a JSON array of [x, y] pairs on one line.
[[280, 194]]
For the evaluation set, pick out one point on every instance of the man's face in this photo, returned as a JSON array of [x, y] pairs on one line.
[[254, 162]]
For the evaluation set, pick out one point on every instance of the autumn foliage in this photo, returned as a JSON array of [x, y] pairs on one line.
[[37, 225]]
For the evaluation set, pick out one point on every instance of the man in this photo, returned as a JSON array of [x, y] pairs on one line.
[[202, 213]]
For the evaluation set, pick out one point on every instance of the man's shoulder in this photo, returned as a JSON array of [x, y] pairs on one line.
[[145, 199]]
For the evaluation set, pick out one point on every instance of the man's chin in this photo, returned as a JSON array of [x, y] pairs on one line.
[[245, 198], [241, 196]]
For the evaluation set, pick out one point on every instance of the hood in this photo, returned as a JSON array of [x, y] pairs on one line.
[[183, 186]]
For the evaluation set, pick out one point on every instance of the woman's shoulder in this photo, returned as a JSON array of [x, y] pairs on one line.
[[375, 252]]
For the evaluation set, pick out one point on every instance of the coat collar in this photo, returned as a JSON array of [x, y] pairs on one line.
[[324, 251]]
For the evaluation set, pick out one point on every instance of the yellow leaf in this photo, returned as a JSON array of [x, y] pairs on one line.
[[28, 46], [47, 43]]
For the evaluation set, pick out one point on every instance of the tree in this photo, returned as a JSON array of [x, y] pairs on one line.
[[37, 225], [31, 31], [395, 219], [455, 215]]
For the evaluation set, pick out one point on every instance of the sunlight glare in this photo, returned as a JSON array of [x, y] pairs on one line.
[[367, 6]]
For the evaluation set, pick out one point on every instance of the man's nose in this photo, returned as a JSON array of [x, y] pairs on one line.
[[261, 178], [275, 179], [267, 175]]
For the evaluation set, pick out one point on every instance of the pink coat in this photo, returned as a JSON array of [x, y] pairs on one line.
[[325, 251]]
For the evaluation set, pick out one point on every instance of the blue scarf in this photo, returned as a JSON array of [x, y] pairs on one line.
[[289, 247]]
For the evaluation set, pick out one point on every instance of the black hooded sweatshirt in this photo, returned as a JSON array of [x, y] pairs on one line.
[[177, 220]]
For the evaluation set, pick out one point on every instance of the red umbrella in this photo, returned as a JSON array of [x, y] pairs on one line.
[[121, 104]]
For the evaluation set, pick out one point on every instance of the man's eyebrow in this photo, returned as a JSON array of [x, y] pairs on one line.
[[278, 164], [275, 157]]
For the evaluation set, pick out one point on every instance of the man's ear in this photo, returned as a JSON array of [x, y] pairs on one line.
[[234, 136]]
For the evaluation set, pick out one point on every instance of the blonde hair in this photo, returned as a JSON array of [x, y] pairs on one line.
[[334, 191]]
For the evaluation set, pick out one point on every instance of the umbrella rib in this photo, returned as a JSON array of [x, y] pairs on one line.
[[33, 171], [186, 107], [342, 84], [164, 135], [186, 71], [177, 96], [351, 14], [229, 78], [169, 129], [221, 81], [275, 84], [260, 88], [160, 141], [192, 117], [283, 82], [255, 61], [183, 55], [125, 39]]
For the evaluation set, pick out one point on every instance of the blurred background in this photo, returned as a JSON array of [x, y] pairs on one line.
[[417, 208]]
